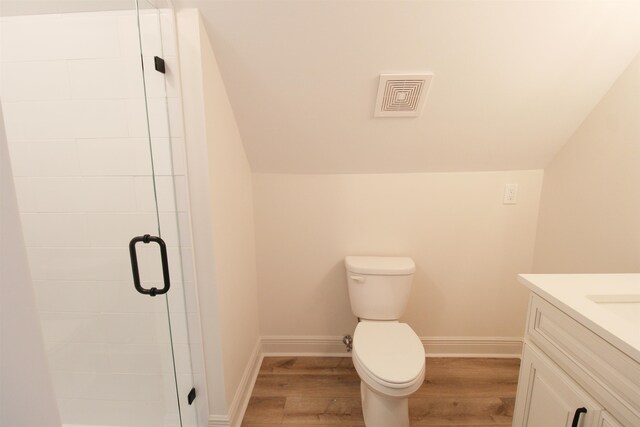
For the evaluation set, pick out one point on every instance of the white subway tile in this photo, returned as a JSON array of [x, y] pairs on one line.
[[55, 230], [140, 358], [122, 297], [151, 414], [172, 195], [108, 194], [90, 35], [44, 158], [99, 119], [162, 156], [109, 157], [178, 154], [172, 76], [187, 263], [39, 120], [69, 297], [38, 80], [175, 117], [109, 229], [128, 36], [113, 78], [150, 32], [87, 411], [145, 196], [183, 360], [26, 194], [42, 120], [176, 296], [63, 328], [189, 295], [79, 357], [154, 81], [171, 198], [169, 42], [137, 118], [65, 36], [136, 328], [22, 38], [149, 264], [169, 228], [179, 329], [56, 194], [159, 118], [82, 264]]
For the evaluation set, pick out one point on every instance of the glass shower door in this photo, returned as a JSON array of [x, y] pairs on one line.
[[92, 152]]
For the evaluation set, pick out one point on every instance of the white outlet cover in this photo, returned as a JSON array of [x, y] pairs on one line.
[[510, 194]]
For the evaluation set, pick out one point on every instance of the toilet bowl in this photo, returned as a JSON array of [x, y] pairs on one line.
[[390, 361], [387, 354]]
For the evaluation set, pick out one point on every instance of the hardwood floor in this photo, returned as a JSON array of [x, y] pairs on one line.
[[325, 391]]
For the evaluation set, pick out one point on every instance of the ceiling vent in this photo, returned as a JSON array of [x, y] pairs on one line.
[[402, 95]]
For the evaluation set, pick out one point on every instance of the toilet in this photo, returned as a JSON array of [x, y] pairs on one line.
[[388, 355]]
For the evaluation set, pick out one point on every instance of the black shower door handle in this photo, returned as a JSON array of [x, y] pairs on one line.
[[134, 265]]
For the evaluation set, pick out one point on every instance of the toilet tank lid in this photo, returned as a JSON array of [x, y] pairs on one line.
[[380, 265]]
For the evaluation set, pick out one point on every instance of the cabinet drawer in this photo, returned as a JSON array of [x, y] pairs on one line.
[[594, 363]]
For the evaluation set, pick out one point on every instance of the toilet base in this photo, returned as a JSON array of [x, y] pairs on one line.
[[383, 411]]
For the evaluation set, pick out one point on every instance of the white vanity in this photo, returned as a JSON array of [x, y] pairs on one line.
[[581, 358]]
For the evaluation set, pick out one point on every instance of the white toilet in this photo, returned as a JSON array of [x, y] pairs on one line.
[[387, 354]]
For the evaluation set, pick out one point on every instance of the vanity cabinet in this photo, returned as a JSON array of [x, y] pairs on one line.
[[549, 397], [567, 368]]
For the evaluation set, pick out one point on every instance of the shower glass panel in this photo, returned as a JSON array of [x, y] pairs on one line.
[[96, 162]]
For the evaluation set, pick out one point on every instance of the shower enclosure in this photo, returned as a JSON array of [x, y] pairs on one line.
[[93, 122]]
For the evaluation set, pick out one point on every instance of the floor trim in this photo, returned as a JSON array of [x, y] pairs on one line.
[[303, 345], [491, 347], [291, 345], [218, 421], [243, 392]]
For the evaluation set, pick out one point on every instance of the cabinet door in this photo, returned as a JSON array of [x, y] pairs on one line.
[[548, 397], [607, 420]]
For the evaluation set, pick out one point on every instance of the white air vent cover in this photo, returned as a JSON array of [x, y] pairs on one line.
[[402, 95]]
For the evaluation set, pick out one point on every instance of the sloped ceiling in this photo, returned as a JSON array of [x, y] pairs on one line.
[[513, 79]]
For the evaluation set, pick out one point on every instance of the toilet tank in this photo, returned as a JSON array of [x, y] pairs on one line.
[[379, 287]]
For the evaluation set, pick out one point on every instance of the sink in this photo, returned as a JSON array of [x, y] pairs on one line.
[[626, 306]]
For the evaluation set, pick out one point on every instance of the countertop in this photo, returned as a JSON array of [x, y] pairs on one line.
[[608, 304]]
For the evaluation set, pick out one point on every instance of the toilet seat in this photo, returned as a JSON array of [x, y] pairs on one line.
[[389, 357]]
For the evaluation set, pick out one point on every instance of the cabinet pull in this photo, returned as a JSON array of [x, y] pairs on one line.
[[576, 416]]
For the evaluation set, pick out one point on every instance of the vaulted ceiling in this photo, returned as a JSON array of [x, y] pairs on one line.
[[512, 79]]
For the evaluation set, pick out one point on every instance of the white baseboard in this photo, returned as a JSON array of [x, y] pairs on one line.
[[243, 393], [506, 347], [219, 421], [434, 346], [292, 345]]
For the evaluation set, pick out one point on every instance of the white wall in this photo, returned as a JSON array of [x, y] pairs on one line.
[[26, 391], [590, 206], [72, 91], [467, 245], [222, 212]]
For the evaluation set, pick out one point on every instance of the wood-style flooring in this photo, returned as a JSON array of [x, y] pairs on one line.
[[325, 391]]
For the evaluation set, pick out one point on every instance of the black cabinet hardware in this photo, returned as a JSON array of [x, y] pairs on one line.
[[191, 396], [576, 416], [159, 64]]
